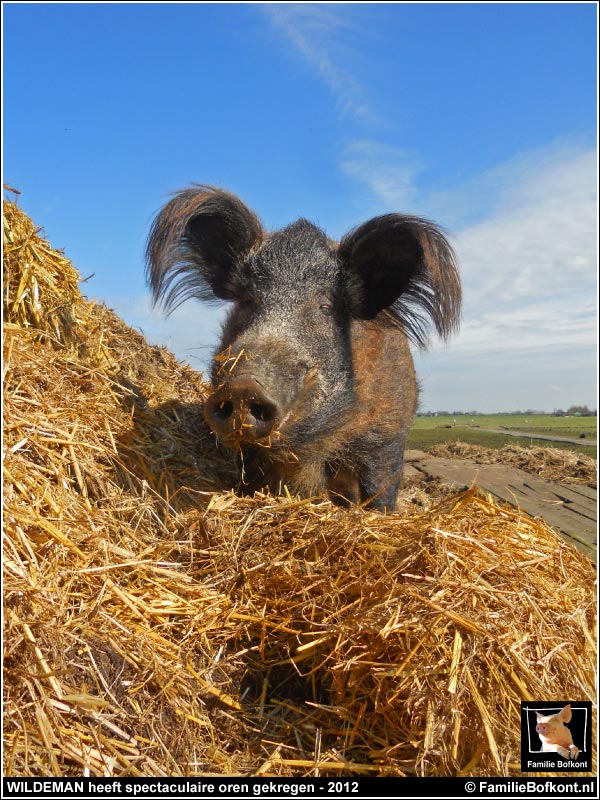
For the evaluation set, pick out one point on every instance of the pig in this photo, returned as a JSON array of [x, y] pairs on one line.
[[554, 735], [313, 380]]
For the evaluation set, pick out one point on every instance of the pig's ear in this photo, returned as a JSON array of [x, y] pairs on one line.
[[406, 265], [565, 714], [197, 247]]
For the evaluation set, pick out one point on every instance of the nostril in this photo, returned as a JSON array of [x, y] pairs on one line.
[[241, 411], [262, 412], [223, 410]]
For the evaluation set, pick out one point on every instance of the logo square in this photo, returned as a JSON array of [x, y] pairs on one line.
[[556, 736]]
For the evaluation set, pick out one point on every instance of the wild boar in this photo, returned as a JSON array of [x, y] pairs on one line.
[[313, 379]]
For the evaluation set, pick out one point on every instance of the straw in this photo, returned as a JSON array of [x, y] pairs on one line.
[[155, 623]]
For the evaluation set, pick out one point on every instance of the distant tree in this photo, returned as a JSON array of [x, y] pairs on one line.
[[582, 411], [558, 412]]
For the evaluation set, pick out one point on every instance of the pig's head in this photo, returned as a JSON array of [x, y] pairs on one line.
[[283, 370], [551, 726]]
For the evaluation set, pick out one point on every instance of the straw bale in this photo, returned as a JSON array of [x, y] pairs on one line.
[[156, 623], [549, 463], [41, 286]]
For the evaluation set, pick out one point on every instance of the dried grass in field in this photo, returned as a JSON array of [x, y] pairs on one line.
[[549, 463], [155, 624]]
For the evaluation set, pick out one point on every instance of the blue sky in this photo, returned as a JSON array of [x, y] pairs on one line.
[[479, 116]]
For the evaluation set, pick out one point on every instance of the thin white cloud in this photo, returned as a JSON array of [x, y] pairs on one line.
[[529, 272], [529, 261], [507, 380], [541, 239], [316, 32], [525, 328], [389, 173], [526, 236]]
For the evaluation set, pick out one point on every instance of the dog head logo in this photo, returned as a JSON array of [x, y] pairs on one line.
[[554, 734]]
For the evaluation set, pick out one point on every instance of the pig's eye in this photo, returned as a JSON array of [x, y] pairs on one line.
[[326, 309]]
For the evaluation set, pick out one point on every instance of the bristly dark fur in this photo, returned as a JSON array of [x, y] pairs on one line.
[[410, 259], [196, 245]]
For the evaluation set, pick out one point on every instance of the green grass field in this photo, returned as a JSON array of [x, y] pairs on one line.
[[428, 431]]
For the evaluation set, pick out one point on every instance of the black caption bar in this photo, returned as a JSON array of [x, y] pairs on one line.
[[298, 787]]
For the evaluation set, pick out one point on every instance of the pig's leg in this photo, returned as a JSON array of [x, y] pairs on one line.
[[573, 752], [380, 474], [343, 484]]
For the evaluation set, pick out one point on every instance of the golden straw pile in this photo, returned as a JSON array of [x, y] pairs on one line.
[[157, 624], [549, 463]]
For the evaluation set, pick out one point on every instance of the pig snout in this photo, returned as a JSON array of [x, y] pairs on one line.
[[242, 410]]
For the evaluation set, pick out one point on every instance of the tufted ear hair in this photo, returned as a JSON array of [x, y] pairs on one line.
[[197, 246], [406, 265]]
